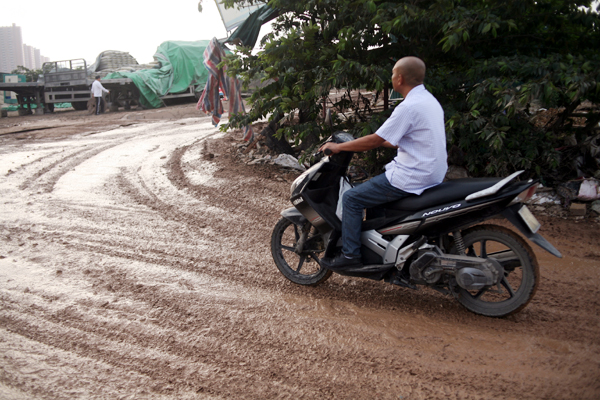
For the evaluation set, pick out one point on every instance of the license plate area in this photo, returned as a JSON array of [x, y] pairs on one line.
[[529, 219]]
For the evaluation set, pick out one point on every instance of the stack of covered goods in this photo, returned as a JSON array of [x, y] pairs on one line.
[[115, 61], [179, 70]]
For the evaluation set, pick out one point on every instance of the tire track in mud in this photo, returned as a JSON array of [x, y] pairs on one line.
[[113, 287], [166, 289], [142, 195], [60, 167], [210, 350], [70, 237], [32, 382], [244, 192], [172, 312], [189, 262], [173, 353], [23, 166], [219, 265], [175, 176]]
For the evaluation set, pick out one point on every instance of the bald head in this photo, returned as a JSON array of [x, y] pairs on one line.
[[412, 69]]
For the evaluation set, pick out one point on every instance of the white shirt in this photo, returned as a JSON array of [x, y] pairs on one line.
[[97, 89], [417, 127]]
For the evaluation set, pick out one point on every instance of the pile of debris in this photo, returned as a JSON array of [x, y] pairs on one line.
[[580, 196], [258, 153]]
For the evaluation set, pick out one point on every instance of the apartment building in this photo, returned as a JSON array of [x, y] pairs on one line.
[[11, 48], [14, 53]]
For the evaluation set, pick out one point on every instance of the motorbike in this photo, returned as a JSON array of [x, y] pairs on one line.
[[442, 239]]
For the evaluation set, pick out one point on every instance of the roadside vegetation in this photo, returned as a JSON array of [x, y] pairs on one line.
[[519, 80], [31, 75]]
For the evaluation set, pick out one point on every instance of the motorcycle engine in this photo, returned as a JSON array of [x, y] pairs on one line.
[[471, 273], [488, 273]]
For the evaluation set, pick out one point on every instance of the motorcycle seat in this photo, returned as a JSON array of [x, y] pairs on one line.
[[445, 192]]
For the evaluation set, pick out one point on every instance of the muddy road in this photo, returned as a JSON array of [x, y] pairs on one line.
[[135, 266]]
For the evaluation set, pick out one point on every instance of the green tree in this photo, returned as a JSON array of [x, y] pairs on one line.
[[490, 64], [31, 75]]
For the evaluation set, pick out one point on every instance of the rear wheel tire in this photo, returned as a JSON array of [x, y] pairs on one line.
[[521, 271], [303, 268]]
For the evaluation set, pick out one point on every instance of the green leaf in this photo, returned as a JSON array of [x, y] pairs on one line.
[[487, 62], [371, 7]]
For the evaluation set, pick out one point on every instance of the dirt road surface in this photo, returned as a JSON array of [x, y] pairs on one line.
[[135, 266]]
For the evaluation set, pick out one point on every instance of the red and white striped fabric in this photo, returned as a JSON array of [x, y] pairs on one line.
[[210, 101]]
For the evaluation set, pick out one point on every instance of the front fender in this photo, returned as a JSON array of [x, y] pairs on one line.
[[294, 216]]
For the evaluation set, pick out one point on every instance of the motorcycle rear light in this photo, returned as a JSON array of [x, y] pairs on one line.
[[525, 195]]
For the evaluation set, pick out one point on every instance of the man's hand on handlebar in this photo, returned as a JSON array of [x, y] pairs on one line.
[[330, 148]]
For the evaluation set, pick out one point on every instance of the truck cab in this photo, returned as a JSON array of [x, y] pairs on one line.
[[67, 82]]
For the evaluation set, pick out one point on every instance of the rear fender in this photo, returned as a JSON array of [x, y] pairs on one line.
[[294, 216], [512, 214]]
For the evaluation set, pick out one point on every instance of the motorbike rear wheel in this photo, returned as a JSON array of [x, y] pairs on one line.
[[302, 268], [521, 271]]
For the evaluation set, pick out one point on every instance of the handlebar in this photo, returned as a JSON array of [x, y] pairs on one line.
[[320, 154]]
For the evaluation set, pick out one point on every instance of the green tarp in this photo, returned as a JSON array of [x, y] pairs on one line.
[[181, 66], [247, 33], [15, 107]]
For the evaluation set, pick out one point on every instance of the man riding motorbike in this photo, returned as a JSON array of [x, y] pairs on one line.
[[416, 129]]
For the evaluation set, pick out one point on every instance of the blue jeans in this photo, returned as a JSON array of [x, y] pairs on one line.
[[372, 193]]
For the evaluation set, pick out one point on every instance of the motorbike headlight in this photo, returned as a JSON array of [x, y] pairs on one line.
[[303, 179], [298, 182]]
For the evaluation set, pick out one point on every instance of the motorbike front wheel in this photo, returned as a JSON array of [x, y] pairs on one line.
[[301, 267], [521, 271]]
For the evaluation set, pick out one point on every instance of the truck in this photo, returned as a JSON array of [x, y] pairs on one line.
[[24, 94], [69, 81], [62, 82], [66, 82]]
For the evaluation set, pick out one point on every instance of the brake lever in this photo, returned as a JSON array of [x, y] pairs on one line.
[[320, 154]]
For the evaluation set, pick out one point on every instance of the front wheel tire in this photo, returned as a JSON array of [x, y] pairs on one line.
[[301, 268]]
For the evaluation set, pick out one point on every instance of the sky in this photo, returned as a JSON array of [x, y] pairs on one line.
[[68, 29]]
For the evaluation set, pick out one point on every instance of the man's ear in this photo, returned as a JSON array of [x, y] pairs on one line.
[[401, 79]]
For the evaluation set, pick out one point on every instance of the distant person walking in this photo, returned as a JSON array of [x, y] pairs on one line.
[[97, 91]]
